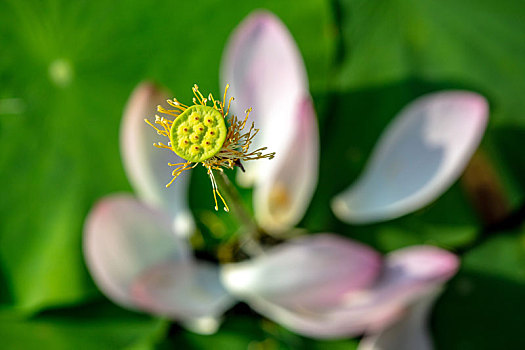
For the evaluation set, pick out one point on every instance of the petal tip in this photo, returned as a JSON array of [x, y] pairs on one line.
[[426, 262]]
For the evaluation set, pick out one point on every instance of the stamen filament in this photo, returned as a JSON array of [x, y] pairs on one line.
[[215, 189]]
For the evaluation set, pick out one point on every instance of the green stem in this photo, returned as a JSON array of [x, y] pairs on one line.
[[248, 242]]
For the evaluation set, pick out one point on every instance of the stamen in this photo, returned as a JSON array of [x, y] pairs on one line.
[[198, 94], [177, 105], [181, 167], [161, 145], [216, 190], [229, 103], [224, 99], [168, 111], [160, 132]]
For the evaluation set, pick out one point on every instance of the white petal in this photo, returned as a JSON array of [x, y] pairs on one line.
[[408, 275], [147, 166], [282, 199], [139, 262], [265, 71], [314, 271], [203, 325], [421, 153], [175, 290], [408, 333]]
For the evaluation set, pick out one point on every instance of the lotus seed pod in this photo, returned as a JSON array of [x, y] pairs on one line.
[[198, 133]]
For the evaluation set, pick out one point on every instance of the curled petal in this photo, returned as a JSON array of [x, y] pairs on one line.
[[282, 199], [314, 272], [265, 71], [139, 262], [421, 153], [147, 166], [408, 275]]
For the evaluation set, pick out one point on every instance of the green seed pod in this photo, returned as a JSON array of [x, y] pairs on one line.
[[198, 133]]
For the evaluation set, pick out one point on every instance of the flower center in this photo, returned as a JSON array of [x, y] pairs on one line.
[[198, 133]]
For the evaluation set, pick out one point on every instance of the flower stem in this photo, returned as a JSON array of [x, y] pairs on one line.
[[248, 242]]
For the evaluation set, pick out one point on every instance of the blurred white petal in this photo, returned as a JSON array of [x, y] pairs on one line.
[[265, 71], [313, 271], [203, 325], [418, 157], [281, 200], [147, 166], [326, 309], [180, 291], [139, 262], [410, 332]]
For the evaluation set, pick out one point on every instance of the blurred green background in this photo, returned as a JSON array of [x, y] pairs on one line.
[[68, 67]]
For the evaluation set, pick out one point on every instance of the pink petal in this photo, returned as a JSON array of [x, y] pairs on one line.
[[408, 333], [421, 153], [147, 166], [314, 271], [408, 275], [265, 71], [135, 256], [282, 199]]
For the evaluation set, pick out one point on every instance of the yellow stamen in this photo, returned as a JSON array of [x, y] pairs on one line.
[[215, 189], [224, 99], [172, 112]]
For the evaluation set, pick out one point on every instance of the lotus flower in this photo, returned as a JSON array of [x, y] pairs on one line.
[[319, 285]]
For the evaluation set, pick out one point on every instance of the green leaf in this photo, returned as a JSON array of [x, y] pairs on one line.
[[96, 326], [475, 43], [481, 309]]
